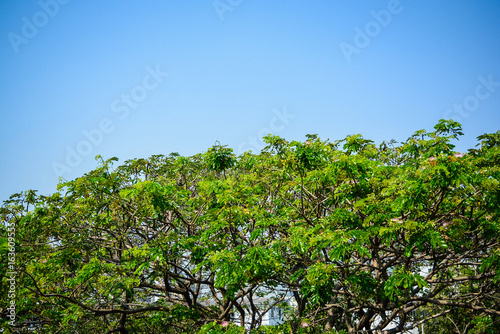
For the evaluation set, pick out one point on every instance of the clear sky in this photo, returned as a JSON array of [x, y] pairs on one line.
[[135, 78]]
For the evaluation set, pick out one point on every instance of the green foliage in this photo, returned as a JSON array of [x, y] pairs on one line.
[[341, 237], [219, 158]]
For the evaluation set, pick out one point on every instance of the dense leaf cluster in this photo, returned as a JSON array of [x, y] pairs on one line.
[[342, 236]]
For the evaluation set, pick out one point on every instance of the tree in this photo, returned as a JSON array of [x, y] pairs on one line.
[[346, 236]]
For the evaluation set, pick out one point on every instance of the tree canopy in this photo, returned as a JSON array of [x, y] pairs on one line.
[[344, 236]]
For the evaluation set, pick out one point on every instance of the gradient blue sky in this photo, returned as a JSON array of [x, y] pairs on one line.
[[230, 71]]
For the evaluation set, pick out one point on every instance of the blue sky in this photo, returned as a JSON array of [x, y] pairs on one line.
[[135, 78]]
